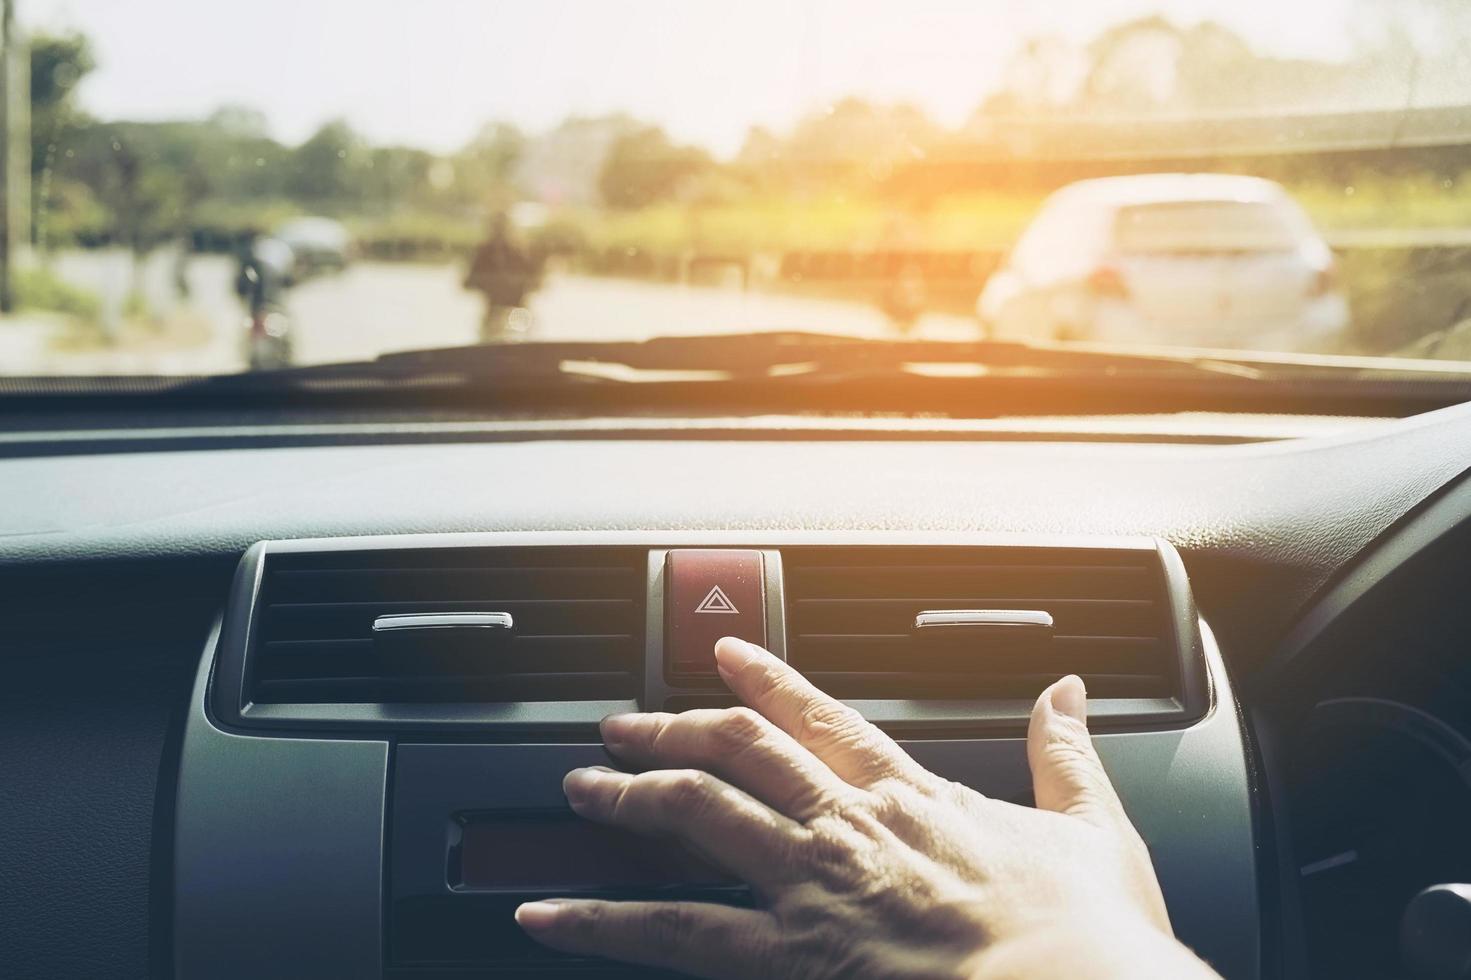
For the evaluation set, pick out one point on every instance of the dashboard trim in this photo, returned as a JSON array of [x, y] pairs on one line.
[[918, 718], [1419, 533]]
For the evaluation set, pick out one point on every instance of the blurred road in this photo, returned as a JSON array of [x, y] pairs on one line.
[[373, 308]]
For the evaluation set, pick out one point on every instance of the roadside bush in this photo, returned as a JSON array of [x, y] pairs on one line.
[[38, 288]]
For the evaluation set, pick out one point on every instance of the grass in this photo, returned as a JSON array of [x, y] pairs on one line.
[[38, 288], [976, 221], [1378, 203]]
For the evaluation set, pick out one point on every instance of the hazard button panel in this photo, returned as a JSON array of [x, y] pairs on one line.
[[710, 593]]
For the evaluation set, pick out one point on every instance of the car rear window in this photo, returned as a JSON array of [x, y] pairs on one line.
[[1204, 227]]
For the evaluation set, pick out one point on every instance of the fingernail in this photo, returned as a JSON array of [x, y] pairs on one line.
[[537, 916], [618, 729], [1070, 698], [732, 654], [578, 784]]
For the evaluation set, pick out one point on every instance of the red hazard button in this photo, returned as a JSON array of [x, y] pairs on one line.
[[710, 593]]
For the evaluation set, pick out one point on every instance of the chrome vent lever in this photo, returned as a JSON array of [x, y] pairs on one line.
[[1014, 627]]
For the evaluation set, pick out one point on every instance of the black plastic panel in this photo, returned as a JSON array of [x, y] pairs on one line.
[[436, 921]]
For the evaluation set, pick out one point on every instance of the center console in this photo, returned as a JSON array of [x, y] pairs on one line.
[[370, 775]]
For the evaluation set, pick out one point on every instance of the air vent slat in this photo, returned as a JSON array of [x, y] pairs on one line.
[[449, 584], [880, 654], [951, 686], [541, 617], [949, 582], [850, 613], [292, 659], [577, 613], [512, 687], [1123, 617]]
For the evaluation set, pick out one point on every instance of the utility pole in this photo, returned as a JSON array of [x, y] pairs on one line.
[[15, 147]]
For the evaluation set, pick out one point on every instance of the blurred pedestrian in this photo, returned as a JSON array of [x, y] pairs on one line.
[[267, 271], [506, 272]]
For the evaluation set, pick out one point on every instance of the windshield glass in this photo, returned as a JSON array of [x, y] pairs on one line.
[[194, 188]]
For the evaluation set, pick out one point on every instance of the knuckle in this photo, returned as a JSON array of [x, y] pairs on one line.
[[656, 732], [827, 721], [770, 685], [806, 945], [584, 919], [1070, 731], [1076, 760], [888, 802], [1070, 744], [953, 793], [687, 792], [616, 804], [872, 763], [828, 846], [807, 801], [665, 928], [736, 729]]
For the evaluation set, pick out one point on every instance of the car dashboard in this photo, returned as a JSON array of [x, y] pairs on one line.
[[220, 763]]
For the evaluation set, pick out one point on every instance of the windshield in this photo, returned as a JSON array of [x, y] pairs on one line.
[[202, 189]]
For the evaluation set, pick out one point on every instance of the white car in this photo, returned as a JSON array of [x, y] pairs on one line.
[[319, 244], [1201, 260]]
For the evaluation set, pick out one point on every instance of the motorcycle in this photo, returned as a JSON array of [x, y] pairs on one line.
[[268, 344]]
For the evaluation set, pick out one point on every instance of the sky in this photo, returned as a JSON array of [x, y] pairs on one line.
[[430, 72]]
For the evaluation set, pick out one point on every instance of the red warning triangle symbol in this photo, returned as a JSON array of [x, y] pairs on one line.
[[716, 601]]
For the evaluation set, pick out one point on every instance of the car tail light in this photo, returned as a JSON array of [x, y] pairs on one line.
[[1107, 282]]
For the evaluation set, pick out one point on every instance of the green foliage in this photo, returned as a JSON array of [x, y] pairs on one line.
[[326, 169], [58, 65], [482, 175], [38, 288], [644, 167]]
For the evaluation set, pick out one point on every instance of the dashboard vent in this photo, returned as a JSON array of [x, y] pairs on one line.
[[850, 611], [577, 612]]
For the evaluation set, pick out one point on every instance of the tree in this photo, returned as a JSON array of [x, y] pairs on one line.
[[58, 65], [239, 122], [483, 174], [328, 167], [645, 167], [396, 175], [147, 175]]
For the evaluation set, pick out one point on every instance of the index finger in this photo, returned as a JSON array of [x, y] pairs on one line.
[[838, 735]]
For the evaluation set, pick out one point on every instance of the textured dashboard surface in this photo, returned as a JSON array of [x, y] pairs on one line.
[[1261, 526], [96, 663]]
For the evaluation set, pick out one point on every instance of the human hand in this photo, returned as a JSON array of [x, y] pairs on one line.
[[863, 863]]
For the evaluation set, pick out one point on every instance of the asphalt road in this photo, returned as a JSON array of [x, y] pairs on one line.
[[373, 308]]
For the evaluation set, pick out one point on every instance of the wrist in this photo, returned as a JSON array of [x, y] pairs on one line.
[[1099, 950]]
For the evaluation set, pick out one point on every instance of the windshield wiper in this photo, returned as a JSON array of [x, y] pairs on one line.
[[785, 356], [808, 372]]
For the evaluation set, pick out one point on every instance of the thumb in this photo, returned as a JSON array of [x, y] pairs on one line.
[[1067, 776]]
